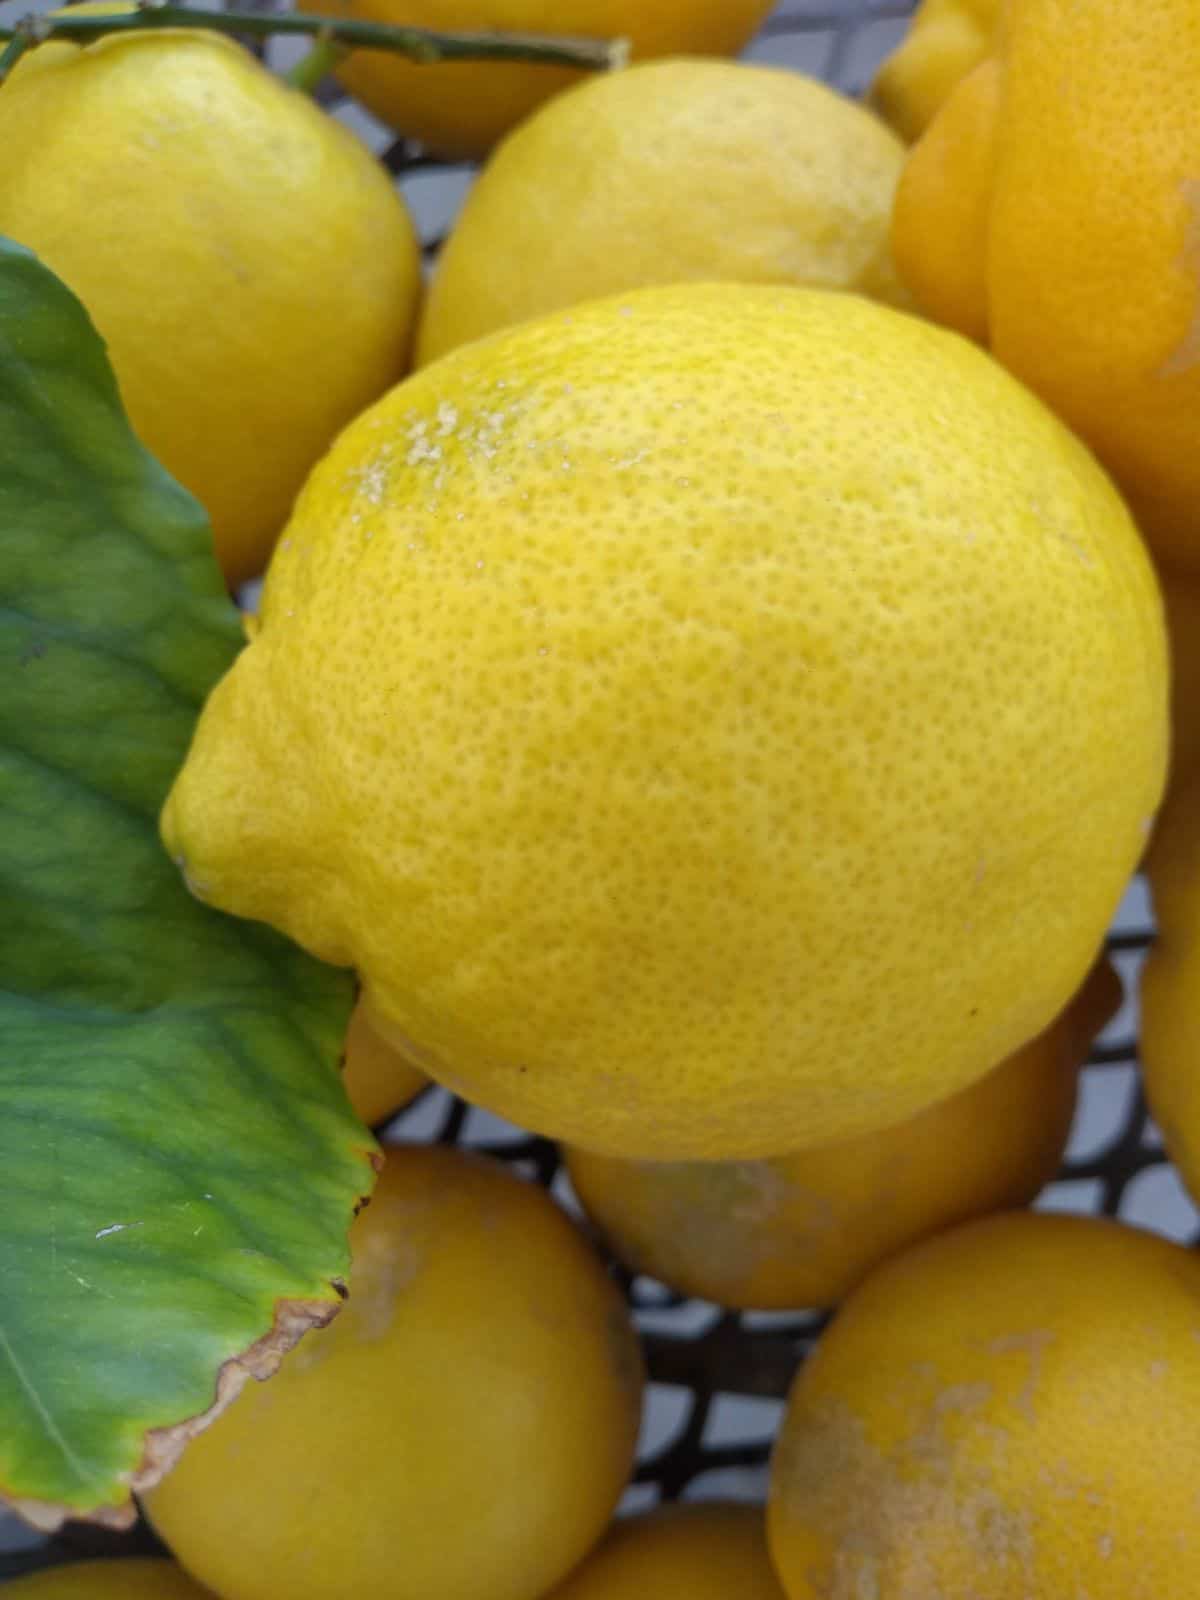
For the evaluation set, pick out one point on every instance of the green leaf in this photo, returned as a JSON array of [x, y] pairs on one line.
[[178, 1162]]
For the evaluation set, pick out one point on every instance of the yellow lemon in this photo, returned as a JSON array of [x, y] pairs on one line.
[[483, 1380], [683, 1552], [462, 108], [946, 39], [1170, 999], [108, 1580], [678, 170], [1006, 1411], [1059, 220], [245, 258], [802, 1230], [378, 1079], [711, 721]]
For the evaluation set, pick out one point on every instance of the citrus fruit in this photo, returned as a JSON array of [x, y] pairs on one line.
[[679, 170], [462, 108], [1181, 593], [1067, 234], [802, 1230], [483, 1376], [107, 1580], [1006, 1411], [1170, 993], [680, 1552], [378, 1079], [713, 720], [245, 258], [945, 40]]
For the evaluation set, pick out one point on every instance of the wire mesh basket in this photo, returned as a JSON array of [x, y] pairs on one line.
[[718, 1378]]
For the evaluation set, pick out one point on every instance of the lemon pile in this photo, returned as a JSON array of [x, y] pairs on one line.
[[715, 704]]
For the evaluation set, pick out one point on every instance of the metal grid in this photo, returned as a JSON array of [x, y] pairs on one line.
[[718, 1378]]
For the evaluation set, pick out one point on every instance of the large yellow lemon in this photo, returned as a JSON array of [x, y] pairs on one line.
[[1006, 1411], [712, 721], [464, 1427], [462, 108], [678, 170], [247, 261]]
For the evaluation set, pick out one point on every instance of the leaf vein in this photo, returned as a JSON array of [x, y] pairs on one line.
[[52, 1428]]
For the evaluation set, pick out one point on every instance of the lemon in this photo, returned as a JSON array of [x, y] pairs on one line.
[[946, 40], [681, 1552], [711, 720], [802, 1230], [1170, 996], [107, 1580], [462, 108], [245, 258], [483, 1379], [1060, 222], [678, 170], [1181, 594], [947, 186], [378, 1079], [1006, 1411]]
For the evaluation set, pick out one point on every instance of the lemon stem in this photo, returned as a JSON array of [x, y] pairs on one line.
[[419, 44], [316, 65], [12, 53]]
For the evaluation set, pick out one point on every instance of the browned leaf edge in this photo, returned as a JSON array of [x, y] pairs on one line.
[[163, 1447]]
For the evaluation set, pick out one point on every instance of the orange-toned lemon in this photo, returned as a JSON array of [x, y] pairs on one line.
[[1058, 218], [378, 1079], [801, 1230], [1005, 1411], [483, 1376], [712, 1551], [461, 108]]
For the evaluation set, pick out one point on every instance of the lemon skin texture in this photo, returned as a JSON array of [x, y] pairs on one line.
[[108, 1580], [679, 170], [483, 1375], [945, 41], [463, 108], [377, 1077], [802, 1230], [713, 721], [680, 1552], [249, 264], [1005, 1411], [1085, 203]]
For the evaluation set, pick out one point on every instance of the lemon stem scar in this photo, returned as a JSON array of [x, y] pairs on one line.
[[420, 44]]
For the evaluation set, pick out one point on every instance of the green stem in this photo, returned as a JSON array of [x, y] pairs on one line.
[[420, 44], [316, 65], [12, 53]]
